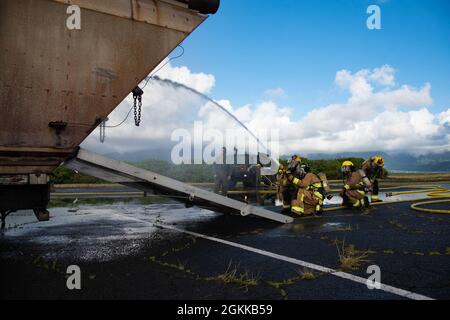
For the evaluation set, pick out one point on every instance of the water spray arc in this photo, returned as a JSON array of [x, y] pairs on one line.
[[177, 85]]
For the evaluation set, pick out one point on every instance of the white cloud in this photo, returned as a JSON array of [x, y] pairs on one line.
[[201, 82], [444, 117], [378, 115], [383, 76]]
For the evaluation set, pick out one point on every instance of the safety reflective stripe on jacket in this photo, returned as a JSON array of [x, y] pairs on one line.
[[315, 187], [354, 182], [311, 183], [298, 209], [286, 205], [308, 182]]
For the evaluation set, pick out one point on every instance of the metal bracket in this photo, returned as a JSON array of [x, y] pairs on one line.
[[59, 126]]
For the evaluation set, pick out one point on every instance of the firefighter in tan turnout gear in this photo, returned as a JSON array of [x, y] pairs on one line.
[[371, 171], [353, 194], [285, 189], [310, 193]]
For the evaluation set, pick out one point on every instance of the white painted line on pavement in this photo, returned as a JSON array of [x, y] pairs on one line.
[[340, 274]]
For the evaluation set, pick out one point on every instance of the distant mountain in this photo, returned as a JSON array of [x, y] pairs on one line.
[[433, 162]]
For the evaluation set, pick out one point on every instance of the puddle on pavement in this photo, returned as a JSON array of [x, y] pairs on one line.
[[97, 233], [318, 226]]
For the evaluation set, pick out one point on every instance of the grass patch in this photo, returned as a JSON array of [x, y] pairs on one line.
[[307, 274], [282, 283], [234, 276], [279, 285], [177, 266], [350, 258]]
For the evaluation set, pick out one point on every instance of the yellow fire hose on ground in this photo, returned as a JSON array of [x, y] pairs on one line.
[[432, 191], [438, 192]]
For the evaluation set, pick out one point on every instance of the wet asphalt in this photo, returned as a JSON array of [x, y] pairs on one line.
[[122, 256]]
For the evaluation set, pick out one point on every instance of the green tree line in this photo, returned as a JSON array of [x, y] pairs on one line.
[[197, 173]]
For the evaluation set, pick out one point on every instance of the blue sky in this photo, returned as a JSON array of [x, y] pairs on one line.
[[347, 88], [251, 46]]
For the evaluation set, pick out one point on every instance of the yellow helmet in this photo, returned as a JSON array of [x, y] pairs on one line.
[[379, 161], [296, 158], [348, 164]]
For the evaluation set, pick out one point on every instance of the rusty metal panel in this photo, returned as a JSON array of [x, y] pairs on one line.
[[119, 8], [165, 15], [169, 14], [50, 74]]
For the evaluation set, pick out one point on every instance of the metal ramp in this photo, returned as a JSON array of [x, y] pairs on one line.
[[120, 172]]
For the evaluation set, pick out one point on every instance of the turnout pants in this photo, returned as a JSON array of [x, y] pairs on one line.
[[354, 198], [308, 202], [286, 196], [375, 190]]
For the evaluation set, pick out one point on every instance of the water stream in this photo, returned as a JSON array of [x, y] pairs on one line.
[[177, 85]]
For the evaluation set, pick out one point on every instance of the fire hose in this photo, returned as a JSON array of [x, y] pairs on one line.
[[443, 193], [431, 191]]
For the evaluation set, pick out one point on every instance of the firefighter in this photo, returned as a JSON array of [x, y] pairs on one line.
[[310, 193], [222, 174], [294, 164], [285, 189], [353, 194], [371, 171]]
